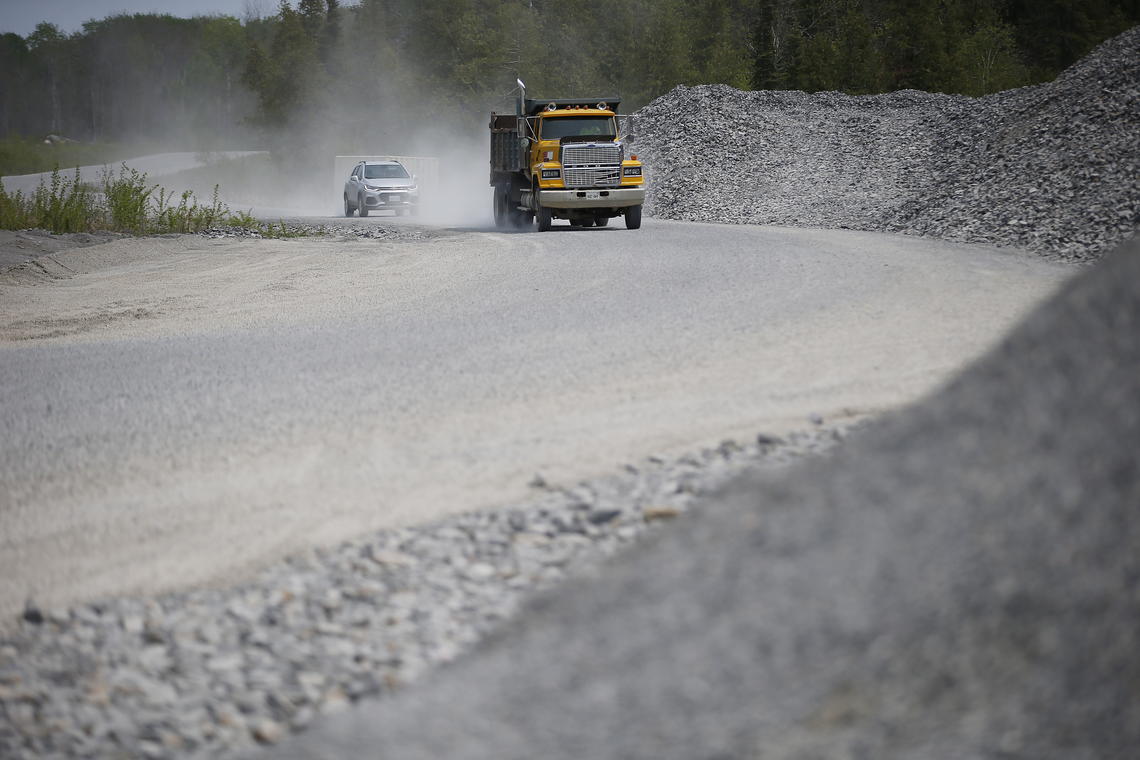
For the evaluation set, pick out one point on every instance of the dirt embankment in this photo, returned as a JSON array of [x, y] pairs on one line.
[[22, 246]]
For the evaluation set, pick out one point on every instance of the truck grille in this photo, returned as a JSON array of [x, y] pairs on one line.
[[601, 176], [592, 165]]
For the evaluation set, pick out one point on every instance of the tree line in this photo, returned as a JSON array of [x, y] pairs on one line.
[[404, 67]]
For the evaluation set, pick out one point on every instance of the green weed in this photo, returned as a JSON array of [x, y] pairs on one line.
[[125, 202]]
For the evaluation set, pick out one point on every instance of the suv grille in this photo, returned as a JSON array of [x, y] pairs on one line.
[[592, 165]]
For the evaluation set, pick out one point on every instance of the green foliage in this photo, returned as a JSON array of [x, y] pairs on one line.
[[126, 204], [127, 200], [393, 70], [64, 205], [987, 60], [286, 76], [23, 156]]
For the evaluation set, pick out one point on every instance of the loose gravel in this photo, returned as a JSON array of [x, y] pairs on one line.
[[212, 671], [1053, 168], [343, 231]]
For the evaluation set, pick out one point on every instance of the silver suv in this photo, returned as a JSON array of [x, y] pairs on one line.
[[378, 185]]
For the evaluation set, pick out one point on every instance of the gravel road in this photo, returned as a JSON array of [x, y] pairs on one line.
[[155, 166], [179, 410], [958, 581]]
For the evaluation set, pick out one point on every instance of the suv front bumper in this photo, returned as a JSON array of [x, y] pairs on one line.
[[394, 198], [613, 197]]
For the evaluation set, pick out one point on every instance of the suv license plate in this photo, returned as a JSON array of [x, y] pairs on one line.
[[593, 195]]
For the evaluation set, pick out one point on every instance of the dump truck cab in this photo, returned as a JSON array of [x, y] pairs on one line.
[[564, 159]]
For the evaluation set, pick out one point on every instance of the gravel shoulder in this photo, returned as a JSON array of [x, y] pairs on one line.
[[19, 247], [214, 672]]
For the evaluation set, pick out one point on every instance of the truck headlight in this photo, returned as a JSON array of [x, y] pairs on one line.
[[551, 173], [631, 171]]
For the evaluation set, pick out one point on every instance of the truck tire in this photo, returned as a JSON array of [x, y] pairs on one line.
[[633, 217], [364, 209], [348, 209], [601, 221], [503, 215], [544, 217]]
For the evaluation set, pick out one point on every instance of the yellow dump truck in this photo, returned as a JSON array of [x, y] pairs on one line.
[[563, 159]]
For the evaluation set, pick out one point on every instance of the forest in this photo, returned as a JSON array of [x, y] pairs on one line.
[[404, 69]]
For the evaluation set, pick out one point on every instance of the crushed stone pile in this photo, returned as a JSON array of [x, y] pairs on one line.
[[214, 671], [1054, 168]]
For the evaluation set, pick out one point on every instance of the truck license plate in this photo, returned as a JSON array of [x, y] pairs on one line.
[[593, 195]]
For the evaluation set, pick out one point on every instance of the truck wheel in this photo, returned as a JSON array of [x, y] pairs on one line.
[[502, 211], [544, 217], [364, 209], [633, 218], [348, 209], [601, 221]]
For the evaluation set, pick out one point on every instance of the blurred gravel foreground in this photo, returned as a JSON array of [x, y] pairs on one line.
[[960, 580]]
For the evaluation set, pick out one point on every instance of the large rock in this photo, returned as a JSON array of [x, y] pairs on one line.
[[959, 581]]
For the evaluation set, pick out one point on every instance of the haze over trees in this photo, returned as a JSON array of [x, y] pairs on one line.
[[402, 67]]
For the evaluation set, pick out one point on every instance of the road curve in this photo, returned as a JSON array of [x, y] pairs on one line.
[[154, 166], [178, 411]]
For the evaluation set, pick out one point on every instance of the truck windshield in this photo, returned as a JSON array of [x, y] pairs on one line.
[[578, 126], [384, 171]]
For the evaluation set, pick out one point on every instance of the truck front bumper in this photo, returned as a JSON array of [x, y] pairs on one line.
[[614, 197]]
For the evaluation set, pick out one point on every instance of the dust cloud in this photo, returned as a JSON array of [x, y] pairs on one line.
[[307, 180]]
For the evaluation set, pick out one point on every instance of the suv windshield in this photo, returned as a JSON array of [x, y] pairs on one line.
[[576, 126], [384, 171]]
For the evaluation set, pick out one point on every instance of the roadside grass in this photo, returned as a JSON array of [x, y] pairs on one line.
[[124, 202], [20, 155]]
